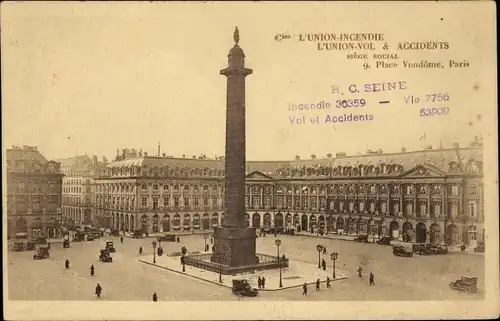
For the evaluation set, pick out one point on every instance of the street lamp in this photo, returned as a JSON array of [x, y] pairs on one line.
[[205, 237], [278, 243], [334, 257], [319, 248], [154, 251]]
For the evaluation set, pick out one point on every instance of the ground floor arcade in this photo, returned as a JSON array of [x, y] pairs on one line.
[[407, 230], [33, 226]]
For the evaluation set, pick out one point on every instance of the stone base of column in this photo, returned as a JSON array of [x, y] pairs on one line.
[[235, 246]]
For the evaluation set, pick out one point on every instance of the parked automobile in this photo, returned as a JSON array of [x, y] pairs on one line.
[[465, 284], [429, 249], [243, 288], [41, 253], [167, 238], [66, 244], [105, 256], [79, 237], [399, 250], [31, 246], [137, 234], [384, 240], [114, 233], [479, 248], [361, 238], [110, 246], [90, 237], [18, 247]]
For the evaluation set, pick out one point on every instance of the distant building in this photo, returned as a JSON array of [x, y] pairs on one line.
[[432, 195], [34, 187], [78, 189]]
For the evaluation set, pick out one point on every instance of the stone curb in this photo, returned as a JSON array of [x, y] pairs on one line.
[[230, 287], [185, 274]]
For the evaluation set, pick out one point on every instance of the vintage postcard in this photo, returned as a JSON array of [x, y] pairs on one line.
[[249, 160]]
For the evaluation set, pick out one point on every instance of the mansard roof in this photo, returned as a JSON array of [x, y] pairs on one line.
[[449, 161]]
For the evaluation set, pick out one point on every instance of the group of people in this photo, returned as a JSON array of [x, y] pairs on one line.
[[371, 279], [318, 286], [261, 282]]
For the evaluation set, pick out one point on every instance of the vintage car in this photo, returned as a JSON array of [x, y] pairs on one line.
[[31, 246], [465, 284], [429, 249], [243, 288], [18, 247], [41, 253], [479, 248], [167, 238], [137, 234], [95, 233], [361, 238], [90, 237], [66, 244], [384, 240], [79, 237], [399, 250], [104, 256], [114, 233], [110, 246]]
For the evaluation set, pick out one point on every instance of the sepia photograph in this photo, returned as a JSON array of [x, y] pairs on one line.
[[178, 161]]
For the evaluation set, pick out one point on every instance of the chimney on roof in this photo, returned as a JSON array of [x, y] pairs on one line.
[[313, 156], [183, 156], [329, 155], [145, 154], [428, 147], [456, 146], [297, 157], [158, 150], [124, 154], [164, 155], [105, 160], [403, 149]]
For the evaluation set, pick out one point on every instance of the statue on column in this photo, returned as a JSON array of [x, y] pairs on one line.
[[236, 35]]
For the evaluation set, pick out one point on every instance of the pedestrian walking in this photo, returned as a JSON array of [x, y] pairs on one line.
[[92, 270], [317, 285], [155, 297], [121, 239], [66, 263], [359, 271], [324, 250], [259, 282], [328, 282], [178, 240], [304, 289], [98, 290], [323, 264], [372, 281], [263, 282], [140, 250]]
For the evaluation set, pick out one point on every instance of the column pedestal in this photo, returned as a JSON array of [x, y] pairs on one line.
[[234, 246]]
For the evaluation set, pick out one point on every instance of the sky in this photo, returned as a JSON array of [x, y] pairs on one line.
[[96, 77]]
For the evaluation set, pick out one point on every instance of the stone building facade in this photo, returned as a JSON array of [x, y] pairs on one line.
[[432, 195], [34, 194], [78, 189]]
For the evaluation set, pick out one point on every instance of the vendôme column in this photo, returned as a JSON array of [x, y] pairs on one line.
[[234, 242]]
